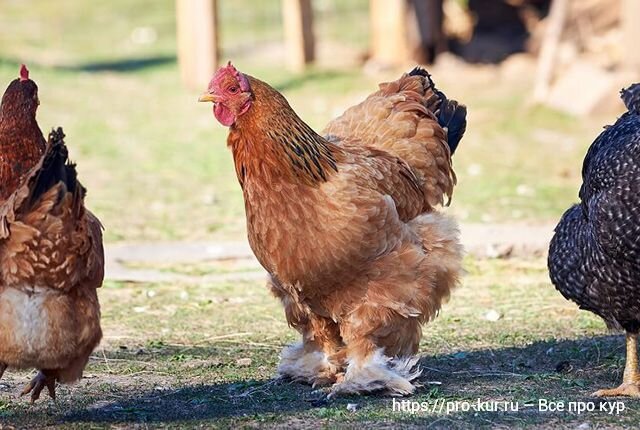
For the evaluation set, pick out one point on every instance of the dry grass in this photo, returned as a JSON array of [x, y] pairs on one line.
[[177, 356]]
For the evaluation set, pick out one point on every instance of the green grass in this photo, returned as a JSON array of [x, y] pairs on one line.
[[178, 356], [155, 161]]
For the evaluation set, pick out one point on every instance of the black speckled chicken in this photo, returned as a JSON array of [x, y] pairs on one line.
[[594, 257]]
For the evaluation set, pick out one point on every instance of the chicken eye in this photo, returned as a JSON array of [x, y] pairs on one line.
[[233, 90]]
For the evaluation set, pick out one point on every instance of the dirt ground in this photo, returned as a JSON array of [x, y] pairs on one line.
[[203, 355], [136, 261]]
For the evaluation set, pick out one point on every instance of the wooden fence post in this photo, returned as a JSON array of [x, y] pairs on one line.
[[298, 30], [197, 41], [550, 43], [389, 42], [630, 11], [406, 31]]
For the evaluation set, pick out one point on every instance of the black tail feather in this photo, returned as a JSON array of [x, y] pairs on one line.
[[56, 168], [631, 98], [451, 114], [453, 117]]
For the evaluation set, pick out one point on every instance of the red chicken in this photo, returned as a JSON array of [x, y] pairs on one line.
[[21, 141], [345, 222], [51, 256]]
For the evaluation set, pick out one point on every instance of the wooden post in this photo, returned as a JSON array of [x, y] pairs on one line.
[[550, 42], [389, 42], [298, 30], [406, 31], [630, 11], [197, 41]]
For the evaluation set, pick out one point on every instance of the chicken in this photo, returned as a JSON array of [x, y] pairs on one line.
[[51, 256], [594, 254], [346, 224], [21, 141]]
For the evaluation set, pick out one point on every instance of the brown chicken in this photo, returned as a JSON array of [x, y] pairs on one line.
[[51, 256], [21, 141], [345, 223]]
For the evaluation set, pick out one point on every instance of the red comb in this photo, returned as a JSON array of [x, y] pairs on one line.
[[242, 79], [24, 73]]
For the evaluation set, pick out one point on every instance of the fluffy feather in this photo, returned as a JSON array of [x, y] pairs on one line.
[[345, 225], [412, 120], [51, 263]]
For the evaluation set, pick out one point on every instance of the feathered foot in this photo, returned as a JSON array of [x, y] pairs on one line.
[[3, 367], [378, 372], [44, 378], [630, 386], [311, 367]]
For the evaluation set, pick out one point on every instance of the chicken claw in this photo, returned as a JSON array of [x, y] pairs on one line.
[[630, 386], [44, 378], [625, 389]]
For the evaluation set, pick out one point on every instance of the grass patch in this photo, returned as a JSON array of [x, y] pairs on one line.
[[155, 161], [185, 356], [205, 268]]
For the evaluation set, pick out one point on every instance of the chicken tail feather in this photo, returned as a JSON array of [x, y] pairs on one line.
[[631, 98], [451, 115], [56, 168]]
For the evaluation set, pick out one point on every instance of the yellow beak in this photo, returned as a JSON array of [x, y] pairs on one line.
[[208, 97]]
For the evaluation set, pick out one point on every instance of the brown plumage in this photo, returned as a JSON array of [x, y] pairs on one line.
[[345, 224], [21, 141], [399, 119], [51, 263]]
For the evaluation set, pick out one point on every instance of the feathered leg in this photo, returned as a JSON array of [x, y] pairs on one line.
[[404, 289], [631, 378], [44, 378], [314, 360], [3, 367], [380, 358], [309, 361]]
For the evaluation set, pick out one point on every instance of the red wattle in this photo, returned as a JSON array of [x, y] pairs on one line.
[[223, 115]]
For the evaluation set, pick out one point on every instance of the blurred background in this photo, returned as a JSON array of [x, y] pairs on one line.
[[540, 78]]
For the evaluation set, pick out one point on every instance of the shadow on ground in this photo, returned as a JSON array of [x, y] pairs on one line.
[[124, 65], [118, 66], [565, 370]]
